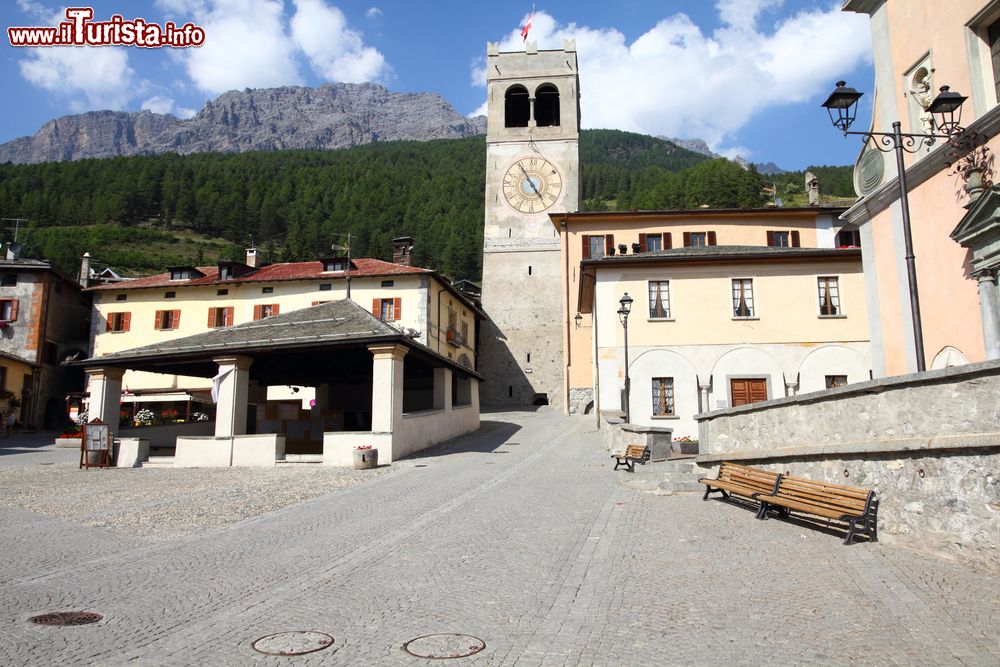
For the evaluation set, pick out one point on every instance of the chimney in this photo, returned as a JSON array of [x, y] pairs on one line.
[[402, 250], [252, 257], [812, 187], [85, 270]]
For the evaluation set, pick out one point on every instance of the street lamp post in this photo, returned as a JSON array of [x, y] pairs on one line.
[[842, 107], [626, 306]]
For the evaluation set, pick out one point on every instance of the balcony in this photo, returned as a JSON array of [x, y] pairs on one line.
[[454, 337]]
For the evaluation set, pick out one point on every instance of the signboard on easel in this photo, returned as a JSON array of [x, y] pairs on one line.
[[97, 442]]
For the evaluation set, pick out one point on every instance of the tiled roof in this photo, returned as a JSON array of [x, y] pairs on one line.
[[727, 251], [365, 267]]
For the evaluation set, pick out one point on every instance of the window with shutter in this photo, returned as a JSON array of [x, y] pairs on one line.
[[118, 322], [712, 239], [668, 241], [586, 246], [795, 239], [8, 310]]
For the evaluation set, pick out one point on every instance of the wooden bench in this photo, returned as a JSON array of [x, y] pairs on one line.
[[857, 507], [633, 454], [741, 481]]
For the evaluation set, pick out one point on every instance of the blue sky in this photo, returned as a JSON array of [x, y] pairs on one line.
[[745, 75]]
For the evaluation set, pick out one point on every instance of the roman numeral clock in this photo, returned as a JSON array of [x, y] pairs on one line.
[[532, 185]]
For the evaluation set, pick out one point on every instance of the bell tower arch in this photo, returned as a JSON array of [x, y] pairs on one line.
[[532, 170]]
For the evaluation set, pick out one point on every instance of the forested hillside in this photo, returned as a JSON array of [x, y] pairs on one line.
[[140, 214]]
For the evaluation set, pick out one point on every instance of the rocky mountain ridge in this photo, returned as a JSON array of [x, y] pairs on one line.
[[699, 146], [329, 117]]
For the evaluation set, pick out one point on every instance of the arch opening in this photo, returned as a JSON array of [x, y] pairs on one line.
[[547, 106], [517, 107]]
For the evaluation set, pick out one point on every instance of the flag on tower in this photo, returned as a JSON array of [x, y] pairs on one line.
[[527, 26]]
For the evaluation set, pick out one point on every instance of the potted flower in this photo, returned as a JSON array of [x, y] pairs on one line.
[[71, 439], [365, 457], [144, 417]]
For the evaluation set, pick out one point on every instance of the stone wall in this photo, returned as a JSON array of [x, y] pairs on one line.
[[928, 443]]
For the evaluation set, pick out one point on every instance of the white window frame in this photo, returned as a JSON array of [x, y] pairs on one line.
[[753, 299], [669, 302], [839, 296]]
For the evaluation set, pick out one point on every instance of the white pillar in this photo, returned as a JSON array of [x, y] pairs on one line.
[[443, 400], [704, 396], [387, 386], [989, 306], [106, 396], [791, 388], [231, 408]]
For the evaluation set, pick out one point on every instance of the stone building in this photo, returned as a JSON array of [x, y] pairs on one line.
[[44, 320], [532, 166]]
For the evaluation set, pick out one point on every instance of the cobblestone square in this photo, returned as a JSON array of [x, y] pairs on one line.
[[518, 536]]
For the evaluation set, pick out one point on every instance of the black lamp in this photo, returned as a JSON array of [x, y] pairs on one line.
[[947, 109], [845, 101]]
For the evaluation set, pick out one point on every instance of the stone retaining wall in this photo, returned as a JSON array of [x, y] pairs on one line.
[[929, 443]]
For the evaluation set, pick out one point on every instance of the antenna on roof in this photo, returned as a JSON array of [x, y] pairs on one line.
[[346, 247]]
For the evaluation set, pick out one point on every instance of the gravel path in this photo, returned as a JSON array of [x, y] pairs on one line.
[[162, 502]]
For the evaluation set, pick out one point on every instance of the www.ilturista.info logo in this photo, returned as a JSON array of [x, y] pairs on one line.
[[81, 30]]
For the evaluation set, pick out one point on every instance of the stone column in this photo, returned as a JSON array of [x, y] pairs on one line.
[[106, 396], [231, 407], [705, 407], [443, 400], [989, 306], [791, 388], [387, 386]]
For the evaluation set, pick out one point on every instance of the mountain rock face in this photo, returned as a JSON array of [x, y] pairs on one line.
[[329, 117], [699, 146]]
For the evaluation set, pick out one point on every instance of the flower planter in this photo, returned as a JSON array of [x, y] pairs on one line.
[[365, 459]]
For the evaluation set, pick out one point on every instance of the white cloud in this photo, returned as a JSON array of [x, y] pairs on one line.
[[88, 77], [246, 46], [39, 12], [677, 80], [160, 104], [373, 13], [335, 51]]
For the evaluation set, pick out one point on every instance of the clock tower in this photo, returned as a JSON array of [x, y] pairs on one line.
[[532, 170]]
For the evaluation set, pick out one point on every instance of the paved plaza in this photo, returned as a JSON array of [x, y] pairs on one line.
[[519, 536]]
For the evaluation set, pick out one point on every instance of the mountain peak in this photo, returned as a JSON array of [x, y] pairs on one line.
[[331, 116]]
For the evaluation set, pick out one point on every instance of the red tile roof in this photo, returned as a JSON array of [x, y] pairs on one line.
[[364, 268]]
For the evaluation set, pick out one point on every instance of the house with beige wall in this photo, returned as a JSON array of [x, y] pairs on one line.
[[694, 257], [187, 301], [919, 47]]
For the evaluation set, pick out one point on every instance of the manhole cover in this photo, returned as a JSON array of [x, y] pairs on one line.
[[296, 642], [66, 618], [444, 646]]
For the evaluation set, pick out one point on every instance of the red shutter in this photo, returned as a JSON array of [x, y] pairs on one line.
[[668, 242], [177, 319], [770, 238], [795, 239], [211, 317], [13, 310], [609, 244], [126, 321], [158, 319], [316, 303], [642, 243], [711, 238], [275, 309], [256, 312], [586, 247], [397, 308], [687, 239], [108, 320], [376, 303], [229, 316]]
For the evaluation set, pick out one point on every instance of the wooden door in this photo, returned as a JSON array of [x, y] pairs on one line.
[[748, 390]]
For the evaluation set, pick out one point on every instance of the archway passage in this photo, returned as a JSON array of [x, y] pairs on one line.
[[547, 106], [517, 107]]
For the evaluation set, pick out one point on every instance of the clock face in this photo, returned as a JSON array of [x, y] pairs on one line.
[[532, 185]]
